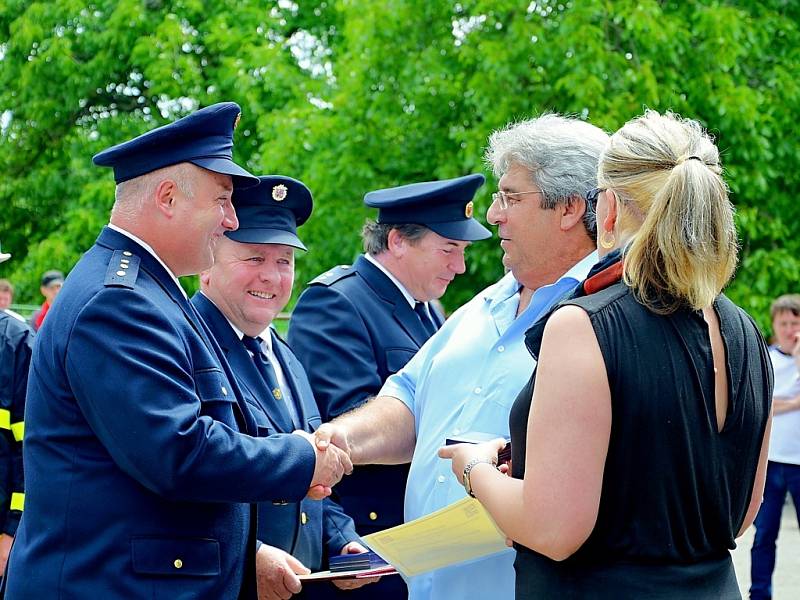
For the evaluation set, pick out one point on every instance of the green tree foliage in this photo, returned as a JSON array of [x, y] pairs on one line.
[[353, 95]]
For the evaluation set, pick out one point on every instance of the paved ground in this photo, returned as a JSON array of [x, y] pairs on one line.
[[786, 579]]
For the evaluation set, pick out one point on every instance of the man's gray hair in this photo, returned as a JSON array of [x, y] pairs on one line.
[[376, 235], [130, 195], [560, 153]]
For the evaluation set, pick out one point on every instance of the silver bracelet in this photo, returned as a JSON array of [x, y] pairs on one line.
[[465, 479]]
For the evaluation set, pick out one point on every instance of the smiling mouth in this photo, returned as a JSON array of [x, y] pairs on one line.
[[261, 295]]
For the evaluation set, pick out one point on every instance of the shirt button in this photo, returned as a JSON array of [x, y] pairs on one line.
[[440, 479], [127, 253], [303, 518], [373, 516], [178, 563], [120, 273], [501, 348], [224, 391], [477, 390]]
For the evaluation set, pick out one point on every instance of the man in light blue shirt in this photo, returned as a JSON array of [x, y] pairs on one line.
[[465, 378]]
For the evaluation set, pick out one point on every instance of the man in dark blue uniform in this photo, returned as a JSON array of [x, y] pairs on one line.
[[249, 284], [140, 455], [356, 325], [16, 344]]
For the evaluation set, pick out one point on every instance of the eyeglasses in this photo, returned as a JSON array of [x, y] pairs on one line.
[[506, 199]]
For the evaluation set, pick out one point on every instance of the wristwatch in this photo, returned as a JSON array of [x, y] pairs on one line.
[[468, 469]]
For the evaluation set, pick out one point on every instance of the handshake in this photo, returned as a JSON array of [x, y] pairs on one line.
[[333, 459]]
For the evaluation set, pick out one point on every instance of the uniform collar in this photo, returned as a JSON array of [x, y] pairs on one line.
[[406, 294], [149, 249]]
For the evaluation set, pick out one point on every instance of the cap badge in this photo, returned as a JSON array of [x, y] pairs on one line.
[[236, 120], [279, 193], [469, 209]]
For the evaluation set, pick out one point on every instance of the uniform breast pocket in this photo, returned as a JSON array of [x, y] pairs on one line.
[[264, 425], [396, 358], [178, 557], [216, 396]]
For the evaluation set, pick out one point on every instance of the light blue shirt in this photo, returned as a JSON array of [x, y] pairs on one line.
[[465, 379]]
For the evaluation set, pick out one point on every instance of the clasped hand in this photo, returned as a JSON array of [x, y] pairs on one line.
[[332, 463]]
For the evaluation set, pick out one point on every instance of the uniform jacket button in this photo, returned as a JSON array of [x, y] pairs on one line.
[[303, 518], [178, 563], [373, 516]]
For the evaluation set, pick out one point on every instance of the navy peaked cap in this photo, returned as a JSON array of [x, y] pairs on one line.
[[442, 206], [270, 212], [203, 138]]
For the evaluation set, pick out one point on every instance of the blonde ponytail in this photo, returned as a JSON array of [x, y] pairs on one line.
[[675, 208]]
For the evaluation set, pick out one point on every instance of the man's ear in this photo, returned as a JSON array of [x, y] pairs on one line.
[[572, 212], [165, 197], [397, 244]]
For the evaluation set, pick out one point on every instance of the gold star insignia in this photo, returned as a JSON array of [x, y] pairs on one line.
[[469, 209]]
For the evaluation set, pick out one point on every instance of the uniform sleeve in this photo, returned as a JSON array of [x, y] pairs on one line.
[[332, 342], [18, 349], [338, 529], [163, 414], [6, 440]]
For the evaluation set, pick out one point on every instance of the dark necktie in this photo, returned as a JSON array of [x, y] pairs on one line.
[[267, 371], [424, 316]]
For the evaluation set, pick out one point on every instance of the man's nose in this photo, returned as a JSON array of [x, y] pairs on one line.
[[459, 264], [495, 215], [229, 219]]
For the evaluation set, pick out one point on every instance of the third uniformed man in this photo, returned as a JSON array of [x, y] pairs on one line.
[[356, 325]]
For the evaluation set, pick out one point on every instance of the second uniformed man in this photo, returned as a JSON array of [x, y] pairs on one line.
[[356, 325], [249, 284]]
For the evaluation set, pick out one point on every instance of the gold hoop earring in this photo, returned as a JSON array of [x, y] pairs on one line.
[[607, 244]]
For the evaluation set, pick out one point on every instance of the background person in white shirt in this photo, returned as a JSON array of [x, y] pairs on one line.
[[783, 468]]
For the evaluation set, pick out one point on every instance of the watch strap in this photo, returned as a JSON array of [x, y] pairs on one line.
[[465, 479]]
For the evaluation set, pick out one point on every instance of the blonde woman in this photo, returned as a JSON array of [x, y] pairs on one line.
[[638, 444]]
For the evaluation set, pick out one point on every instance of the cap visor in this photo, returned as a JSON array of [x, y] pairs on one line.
[[266, 236], [465, 231], [241, 179]]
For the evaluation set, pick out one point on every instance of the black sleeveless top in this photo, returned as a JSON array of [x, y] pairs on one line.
[[675, 490]]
